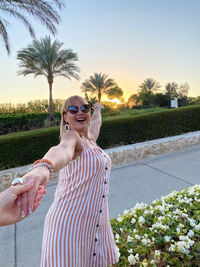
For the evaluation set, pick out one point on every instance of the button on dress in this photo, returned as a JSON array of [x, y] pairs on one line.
[[77, 230]]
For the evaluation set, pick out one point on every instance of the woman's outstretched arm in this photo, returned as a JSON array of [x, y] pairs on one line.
[[59, 156]]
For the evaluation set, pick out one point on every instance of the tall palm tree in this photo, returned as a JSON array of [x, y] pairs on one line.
[[149, 85], [45, 57], [42, 10], [98, 84]]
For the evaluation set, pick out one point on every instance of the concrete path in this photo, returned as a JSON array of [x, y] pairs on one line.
[[20, 244]]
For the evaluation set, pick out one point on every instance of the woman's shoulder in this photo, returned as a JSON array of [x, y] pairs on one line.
[[73, 138]]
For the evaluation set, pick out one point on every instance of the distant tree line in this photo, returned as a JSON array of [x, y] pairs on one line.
[[150, 94]]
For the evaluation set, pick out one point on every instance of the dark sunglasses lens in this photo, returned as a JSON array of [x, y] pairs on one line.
[[73, 109], [85, 108]]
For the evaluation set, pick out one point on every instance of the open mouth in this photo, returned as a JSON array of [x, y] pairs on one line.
[[81, 119]]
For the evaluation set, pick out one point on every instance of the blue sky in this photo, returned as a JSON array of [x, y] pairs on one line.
[[130, 40]]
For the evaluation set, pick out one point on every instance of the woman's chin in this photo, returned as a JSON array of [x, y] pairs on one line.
[[81, 128]]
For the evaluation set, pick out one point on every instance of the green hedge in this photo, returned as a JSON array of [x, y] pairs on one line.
[[148, 127], [22, 148], [10, 123]]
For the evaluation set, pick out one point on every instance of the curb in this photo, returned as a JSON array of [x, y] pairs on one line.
[[121, 155]]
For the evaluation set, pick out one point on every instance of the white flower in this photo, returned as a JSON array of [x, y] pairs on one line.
[[157, 254], [132, 259], [197, 227], [133, 221], [121, 229], [130, 250], [190, 233], [167, 238], [159, 226], [155, 201], [118, 253], [119, 219], [137, 237], [141, 219], [144, 241], [182, 247], [130, 238], [172, 248], [117, 236], [126, 212], [137, 257], [140, 206], [192, 222]]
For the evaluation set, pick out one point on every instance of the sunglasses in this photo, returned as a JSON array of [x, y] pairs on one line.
[[75, 109]]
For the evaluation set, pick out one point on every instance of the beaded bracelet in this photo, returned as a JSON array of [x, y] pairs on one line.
[[44, 162]]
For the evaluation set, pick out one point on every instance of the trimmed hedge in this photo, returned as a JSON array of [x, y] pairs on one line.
[[152, 126], [22, 148], [10, 123]]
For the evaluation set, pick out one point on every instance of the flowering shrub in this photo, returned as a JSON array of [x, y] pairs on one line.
[[165, 233]]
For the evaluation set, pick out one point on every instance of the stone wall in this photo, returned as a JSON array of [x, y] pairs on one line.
[[121, 155]]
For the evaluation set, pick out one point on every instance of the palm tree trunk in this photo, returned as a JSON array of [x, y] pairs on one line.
[[99, 96], [51, 112]]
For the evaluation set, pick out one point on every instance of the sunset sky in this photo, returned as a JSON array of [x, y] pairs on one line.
[[130, 40]]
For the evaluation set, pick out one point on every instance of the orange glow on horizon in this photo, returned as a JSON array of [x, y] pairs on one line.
[[115, 100]]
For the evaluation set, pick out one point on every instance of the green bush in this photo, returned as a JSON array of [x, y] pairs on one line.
[[18, 149], [22, 122], [165, 233], [22, 148], [152, 126]]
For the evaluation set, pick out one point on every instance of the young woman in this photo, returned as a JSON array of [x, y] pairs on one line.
[[77, 231]]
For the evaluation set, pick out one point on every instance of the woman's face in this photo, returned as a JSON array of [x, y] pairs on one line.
[[80, 121]]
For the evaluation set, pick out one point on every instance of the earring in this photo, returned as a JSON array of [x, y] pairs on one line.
[[67, 127]]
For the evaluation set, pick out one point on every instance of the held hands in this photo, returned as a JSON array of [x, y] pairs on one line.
[[40, 176], [10, 202]]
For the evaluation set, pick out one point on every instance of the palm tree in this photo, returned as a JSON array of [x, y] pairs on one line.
[[171, 90], [98, 84], [115, 92], [45, 57], [133, 100], [42, 10], [149, 85]]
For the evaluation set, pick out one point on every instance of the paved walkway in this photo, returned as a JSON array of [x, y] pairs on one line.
[[20, 244]]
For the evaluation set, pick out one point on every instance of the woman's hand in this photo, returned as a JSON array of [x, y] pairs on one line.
[[97, 106], [40, 176], [10, 206]]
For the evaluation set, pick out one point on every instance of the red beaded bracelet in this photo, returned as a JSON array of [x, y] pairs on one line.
[[45, 161]]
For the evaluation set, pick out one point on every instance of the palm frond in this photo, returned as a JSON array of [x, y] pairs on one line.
[[98, 83], [41, 10], [4, 35]]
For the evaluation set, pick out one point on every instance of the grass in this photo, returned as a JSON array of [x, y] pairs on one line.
[[129, 113]]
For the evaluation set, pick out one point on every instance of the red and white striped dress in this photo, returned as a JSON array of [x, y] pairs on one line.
[[77, 230]]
